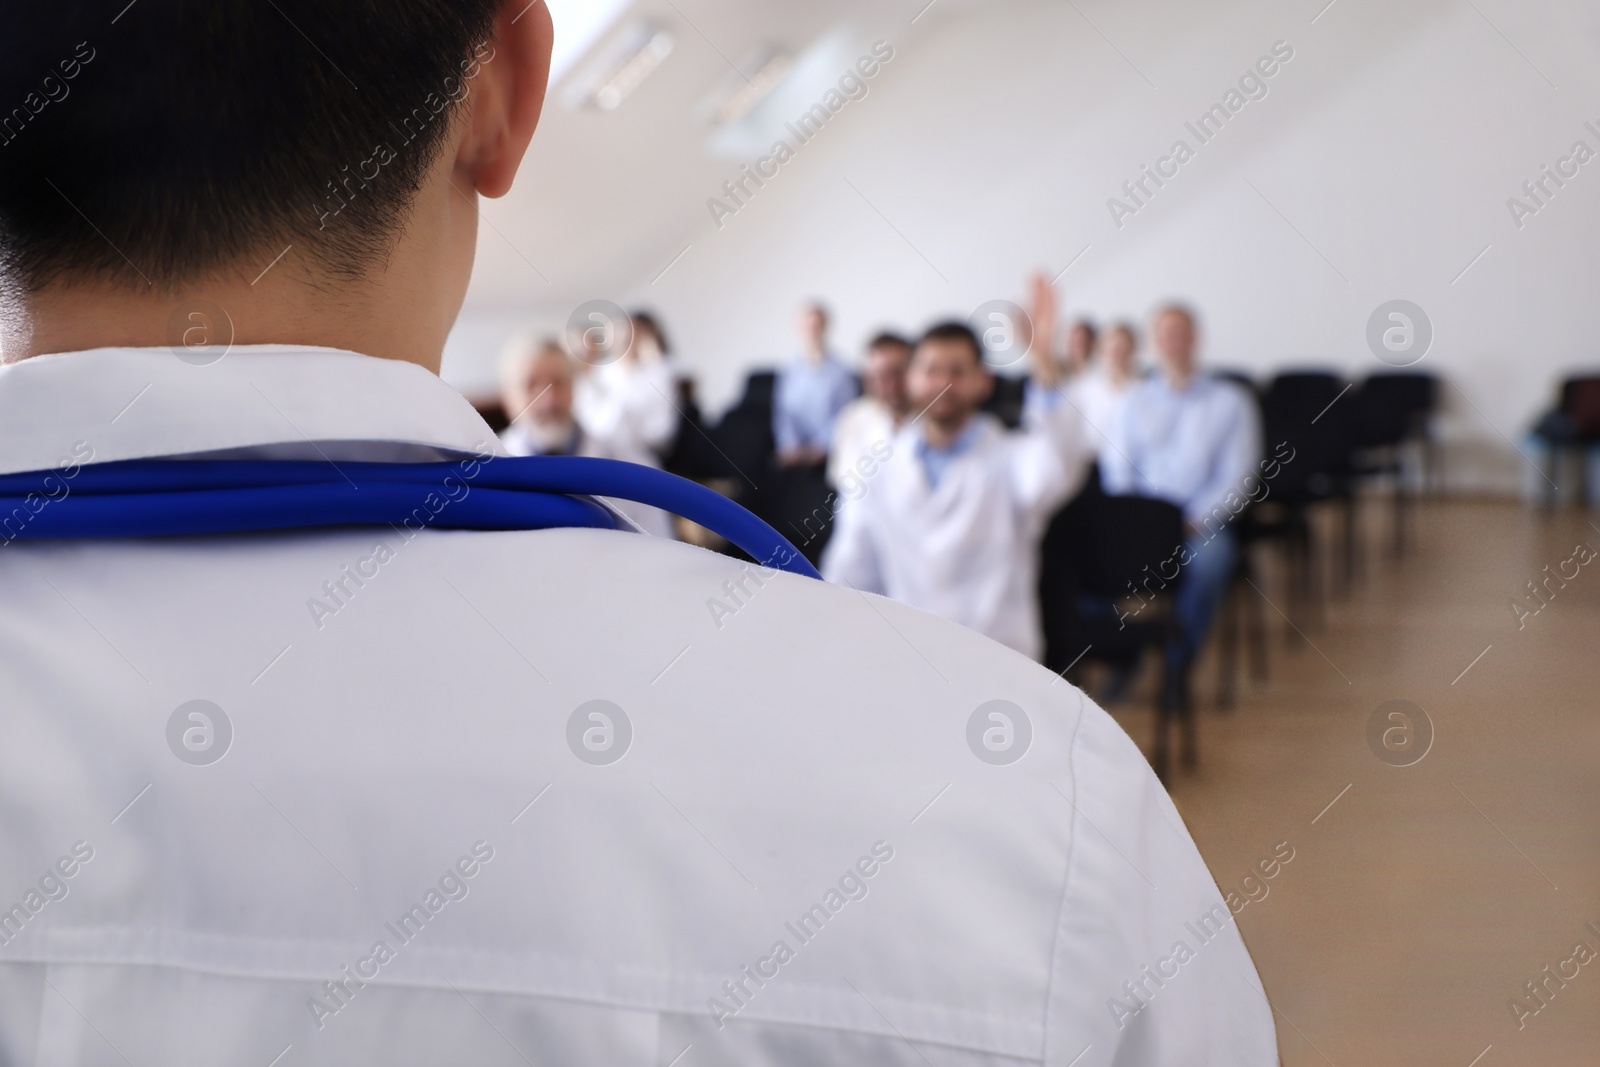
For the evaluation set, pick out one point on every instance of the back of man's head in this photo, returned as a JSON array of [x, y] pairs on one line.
[[156, 142]]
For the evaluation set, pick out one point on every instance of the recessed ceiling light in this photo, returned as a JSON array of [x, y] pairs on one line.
[[739, 93], [620, 67], [633, 71]]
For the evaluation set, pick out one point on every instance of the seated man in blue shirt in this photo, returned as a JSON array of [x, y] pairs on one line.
[[1194, 441], [811, 391]]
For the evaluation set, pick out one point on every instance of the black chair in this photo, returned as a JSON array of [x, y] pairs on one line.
[[743, 446], [1238, 377], [1108, 572], [796, 501], [803, 508], [759, 388], [1306, 426], [1006, 400], [1573, 425], [689, 454], [1249, 528], [1389, 412]]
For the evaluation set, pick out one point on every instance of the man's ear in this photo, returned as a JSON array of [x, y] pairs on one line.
[[507, 96]]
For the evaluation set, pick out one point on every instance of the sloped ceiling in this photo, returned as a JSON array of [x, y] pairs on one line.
[[604, 196]]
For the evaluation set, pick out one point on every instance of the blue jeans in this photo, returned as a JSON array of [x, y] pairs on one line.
[[1205, 583]]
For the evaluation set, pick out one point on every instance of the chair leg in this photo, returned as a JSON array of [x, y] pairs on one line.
[[1557, 453], [1350, 524], [1190, 752], [1293, 582], [1302, 584], [1399, 515], [1168, 708], [1258, 639], [1316, 580], [1161, 751], [1228, 649]]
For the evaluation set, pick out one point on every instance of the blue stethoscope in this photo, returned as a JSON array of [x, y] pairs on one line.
[[164, 498]]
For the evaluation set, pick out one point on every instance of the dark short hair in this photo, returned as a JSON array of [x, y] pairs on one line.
[[1086, 324], [159, 141], [887, 339], [648, 320], [954, 331]]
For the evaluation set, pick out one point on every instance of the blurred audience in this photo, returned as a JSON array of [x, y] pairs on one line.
[[1192, 440], [564, 406], [934, 502], [1100, 388], [811, 391], [624, 402], [1081, 339], [870, 421], [949, 521]]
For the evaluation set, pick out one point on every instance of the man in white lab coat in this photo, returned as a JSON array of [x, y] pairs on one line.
[[951, 518], [404, 796], [863, 430], [618, 410]]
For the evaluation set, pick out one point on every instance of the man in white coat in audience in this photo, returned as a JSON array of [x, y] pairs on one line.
[[863, 430], [361, 793], [950, 521], [613, 411]]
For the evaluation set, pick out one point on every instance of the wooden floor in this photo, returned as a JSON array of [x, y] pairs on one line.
[[1420, 899]]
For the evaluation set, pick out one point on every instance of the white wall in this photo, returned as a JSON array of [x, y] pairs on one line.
[[1377, 167]]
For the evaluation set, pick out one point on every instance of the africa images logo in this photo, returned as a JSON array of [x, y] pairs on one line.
[[599, 732], [199, 733], [999, 732]]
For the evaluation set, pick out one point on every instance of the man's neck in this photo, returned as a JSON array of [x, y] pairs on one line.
[[1178, 382], [944, 433], [229, 311]]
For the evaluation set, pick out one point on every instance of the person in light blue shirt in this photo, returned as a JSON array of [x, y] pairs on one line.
[[810, 392], [1194, 441], [936, 459]]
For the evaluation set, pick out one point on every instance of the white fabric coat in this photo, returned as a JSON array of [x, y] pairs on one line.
[[628, 406], [1100, 403], [861, 435], [967, 548], [418, 771]]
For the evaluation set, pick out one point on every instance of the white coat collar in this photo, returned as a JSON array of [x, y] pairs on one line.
[[282, 401]]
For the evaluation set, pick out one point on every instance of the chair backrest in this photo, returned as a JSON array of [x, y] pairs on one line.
[[1305, 410], [1580, 402], [1240, 378], [1388, 408], [758, 389], [1115, 544], [743, 443], [1005, 403]]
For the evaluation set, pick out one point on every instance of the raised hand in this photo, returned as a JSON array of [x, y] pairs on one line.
[[1042, 364]]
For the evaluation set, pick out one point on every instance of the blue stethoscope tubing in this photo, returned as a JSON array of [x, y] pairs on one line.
[[164, 498]]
